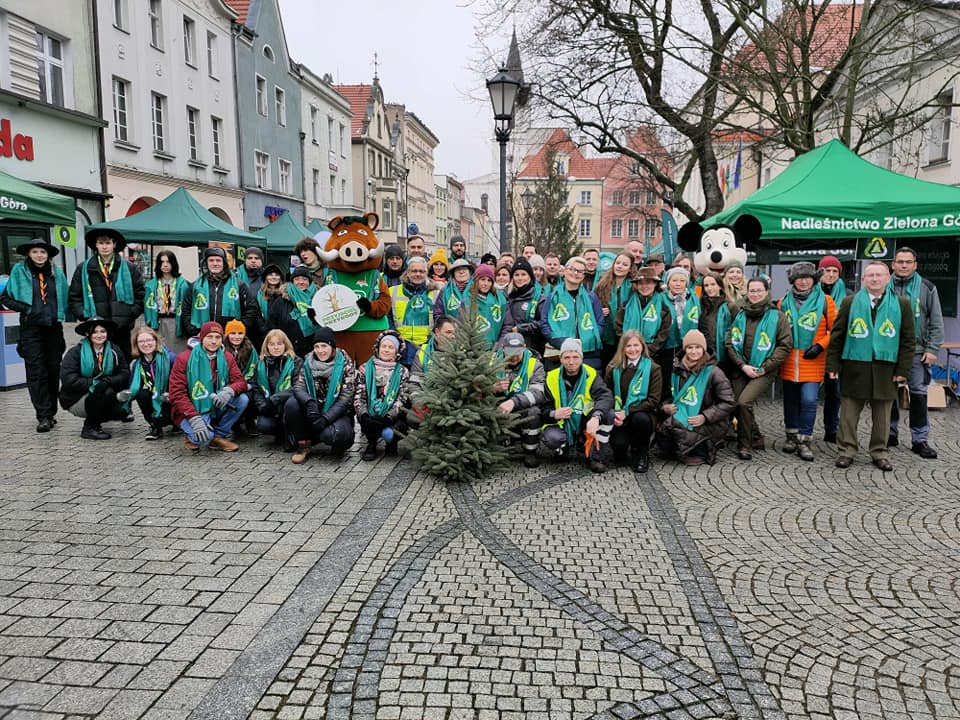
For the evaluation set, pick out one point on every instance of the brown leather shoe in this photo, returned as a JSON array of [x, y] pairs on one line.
[[192, 447], [883, 464], [301, 455], [843, 461], [693, 460], [221, 443]]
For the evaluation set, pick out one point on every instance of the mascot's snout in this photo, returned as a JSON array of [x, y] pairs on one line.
[[354, 251]]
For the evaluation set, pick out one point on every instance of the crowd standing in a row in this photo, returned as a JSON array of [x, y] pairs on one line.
[[636, 355]]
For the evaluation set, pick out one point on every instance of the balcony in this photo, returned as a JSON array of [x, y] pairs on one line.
[[386, 184]]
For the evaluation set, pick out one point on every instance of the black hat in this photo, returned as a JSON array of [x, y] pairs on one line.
[[87, 326], [90, 236], [325, 335], [52, 250], [272, 268], [214, 252], [301, 271], [393, 251], [253, 251], [522, 264], [488, 259]]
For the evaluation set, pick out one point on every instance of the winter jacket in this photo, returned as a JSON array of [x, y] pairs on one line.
[[181, 406], [249, 309], [709, 310], [73, 385], [360, 394], [39, 313], [536, 387], [799, 369], [271, 407], [666, 320], [783, 343], [104, 299], [343, 404], [717, 407], [652, 402], [518, 302], [930, 332], [600, 395], [278, 318], [547, 331]]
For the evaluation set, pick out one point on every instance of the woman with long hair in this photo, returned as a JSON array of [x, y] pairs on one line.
[[613, 289], [715, 315], [524, 298], [163, 302], [635, 381], [735, 284], [272, 388]]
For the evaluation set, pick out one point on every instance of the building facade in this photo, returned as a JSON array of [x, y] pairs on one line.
[[415, 145], [440, 226], [454, 207]]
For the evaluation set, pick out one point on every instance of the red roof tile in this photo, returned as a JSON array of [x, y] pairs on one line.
[[240, 7], [580, 167], [359, 97]]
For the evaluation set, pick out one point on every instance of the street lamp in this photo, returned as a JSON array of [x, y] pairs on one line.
[[503, 88], [528, 197]]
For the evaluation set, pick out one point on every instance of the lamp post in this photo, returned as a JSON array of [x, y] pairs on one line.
[[503, 89]]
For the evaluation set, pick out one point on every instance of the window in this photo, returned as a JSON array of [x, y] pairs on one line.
[[193, 132], [584, 227], [285, 173], [939, 149], [189, 41], [158, 112], [561, 165], [50, 68], [616, 228], [261, 95], [651, 197], [268, 53], [650, 229], [156, 24], [343, 140], [330, 144], [633, 199], [211, 55], [333, 187], [216, 128], [617, 197], [121, 91], [316, 186], [586, 197], [314, 117], [120, 14], [633, 229], [262, 166], [343, 192], [373, 161], [280, 102], [388, 214]]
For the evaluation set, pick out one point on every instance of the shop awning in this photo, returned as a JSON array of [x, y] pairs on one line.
[[178, 220], [316, 226], [21, 200], [284, 233], [831, 193]]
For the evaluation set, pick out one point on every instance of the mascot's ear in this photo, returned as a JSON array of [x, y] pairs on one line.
[[688, 236], [335, 223], [748, 230], [373, 220]]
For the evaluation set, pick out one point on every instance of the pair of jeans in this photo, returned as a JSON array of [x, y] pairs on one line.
[[800, 406], [917, 380], [221, 421]]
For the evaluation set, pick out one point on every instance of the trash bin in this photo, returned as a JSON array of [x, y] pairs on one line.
[[12, 371]]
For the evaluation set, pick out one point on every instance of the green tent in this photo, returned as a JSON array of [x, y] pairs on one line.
[[21, 200], [315, 226], [283, 233], [831, 193], [178, 220]]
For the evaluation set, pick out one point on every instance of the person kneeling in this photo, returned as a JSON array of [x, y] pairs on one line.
[[324, 392], [635, 381], [574, 392], [381, 393], [522, 388], [207, 392], [149, 380], [272, 389]]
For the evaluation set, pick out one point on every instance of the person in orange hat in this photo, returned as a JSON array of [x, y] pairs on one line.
[[438, 266]]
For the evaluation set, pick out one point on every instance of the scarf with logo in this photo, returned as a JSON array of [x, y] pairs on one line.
[[570, 317], [156, 382], [645, 320], [490, 311], [284, 381], [300, 300], [201, 312], [689, 395], [873, 337], [805, 318], [200, 382], [764, 337], [153, 303], [380, 407], [639, 386], [88, 362], [680, 325]]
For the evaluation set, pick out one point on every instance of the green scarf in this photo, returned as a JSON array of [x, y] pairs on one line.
[[140, 379], [839, 291], [122, 287], [573, 317], [454, 298], [425, 356], [689, 396], [764, 337], [619, 296], [690, 320], [380, 408], [723, 326], [300, 299], [242, 274], [336, 381], [531, 311], [201, 312], [250, 370], [153, 302], [571, 426], [912, 290], [88, 362], [262, 302], [284, 382], [639, 386], [873, 338], [20, 288], [645, 320], [804, 320], [200, 379], [419, 309], [522, 381], [490, 311]]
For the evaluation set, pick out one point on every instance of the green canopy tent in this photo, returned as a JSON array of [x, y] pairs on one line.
[[180, 221], [315, 226], [24, 201], [831, 194], [283, 234]]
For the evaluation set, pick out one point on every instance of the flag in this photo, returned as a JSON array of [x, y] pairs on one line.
[[723, 181], [739, 168]]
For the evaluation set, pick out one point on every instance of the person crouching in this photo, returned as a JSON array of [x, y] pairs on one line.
[[635, 381], [381, 393], [522, 388], [272, 388]]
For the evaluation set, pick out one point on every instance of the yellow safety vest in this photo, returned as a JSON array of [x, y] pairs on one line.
[[411, 333], [582, 403]]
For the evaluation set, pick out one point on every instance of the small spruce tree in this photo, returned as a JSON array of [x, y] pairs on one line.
[[462, 436]]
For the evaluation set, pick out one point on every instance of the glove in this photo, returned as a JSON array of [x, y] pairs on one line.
[[312, 314], [812, 352], [223, 397], [201, 431], [123, 396], [320, 424], [313, 410], [364, 305], [276, 403], [164, 397]]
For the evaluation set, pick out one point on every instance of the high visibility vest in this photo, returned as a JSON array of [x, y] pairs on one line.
[[583, 403], [411, 333]]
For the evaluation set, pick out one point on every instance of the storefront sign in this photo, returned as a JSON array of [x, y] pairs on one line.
[[273, 212], [18, 146], [874, 248]]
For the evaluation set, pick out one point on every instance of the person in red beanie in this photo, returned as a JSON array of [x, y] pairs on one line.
[[207, 392]]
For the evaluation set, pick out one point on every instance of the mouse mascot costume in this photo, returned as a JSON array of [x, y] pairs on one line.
[[352, 255]]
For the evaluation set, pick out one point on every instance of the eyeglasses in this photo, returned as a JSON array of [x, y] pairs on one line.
[[575, 271]]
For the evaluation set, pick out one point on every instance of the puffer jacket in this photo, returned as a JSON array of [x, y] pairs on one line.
[[783, 343], [797, 368]]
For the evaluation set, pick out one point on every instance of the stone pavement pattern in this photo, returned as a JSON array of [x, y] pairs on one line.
[[138, 581]]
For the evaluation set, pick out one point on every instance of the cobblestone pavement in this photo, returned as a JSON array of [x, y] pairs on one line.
[[139, 581]]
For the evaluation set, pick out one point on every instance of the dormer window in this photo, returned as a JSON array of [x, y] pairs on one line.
[[268, 53]]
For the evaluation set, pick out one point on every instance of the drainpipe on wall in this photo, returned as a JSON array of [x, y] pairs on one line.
[[95, 31], [235, 31]]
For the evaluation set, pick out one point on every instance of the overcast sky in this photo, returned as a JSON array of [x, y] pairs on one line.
[[428, 60]]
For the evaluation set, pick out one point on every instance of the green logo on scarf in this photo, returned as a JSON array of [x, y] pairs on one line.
[[200, 302], [233, 293], [483, 325], [496, 313], [301, 307], [859, 329], [453, 303], [763, 343], [577, 404], [693, 315], [586, 323], [736, 336], [808, 321], [651, 312], [887, 329], [199, 391], [690, 397], [560, 313]]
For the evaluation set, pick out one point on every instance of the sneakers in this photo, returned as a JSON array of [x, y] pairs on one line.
[[790, 446], [924, 450], [301, 455], [221, 443], [155, 433], [94, 433], [45, 425]]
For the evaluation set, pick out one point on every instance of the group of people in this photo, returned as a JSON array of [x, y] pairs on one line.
[[602, 363]]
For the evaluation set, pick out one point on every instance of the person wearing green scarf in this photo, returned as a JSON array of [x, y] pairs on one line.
[[613, 290], [381, 393], [493, 313], [928, 322], [456, 293], [149, 380], [271, 392], [292, 311], [522, 390], [91, 375], [37, 289], [219, 296], [109, 286], [324, 392], [251, 272], [758, 342], [163, 304], [870, 352], [207, 392], [701, 406], [308, 250], [832, 284], [635, 381], [572, 311], [443, 335]]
